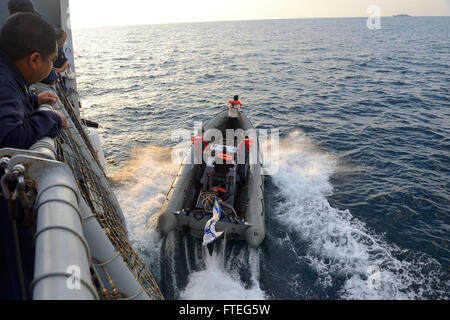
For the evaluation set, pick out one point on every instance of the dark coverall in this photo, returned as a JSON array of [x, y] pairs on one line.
[[21, 125]]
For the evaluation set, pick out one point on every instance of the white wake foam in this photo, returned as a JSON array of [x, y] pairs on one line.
[[143, 183], [221, 281], [339, 245]]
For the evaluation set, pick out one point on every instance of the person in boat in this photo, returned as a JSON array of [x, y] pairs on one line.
[[27, 51], [234, 112], [222, 165]]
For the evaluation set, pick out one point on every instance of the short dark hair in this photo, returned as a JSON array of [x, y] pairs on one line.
[[24, 33], [60, 33]]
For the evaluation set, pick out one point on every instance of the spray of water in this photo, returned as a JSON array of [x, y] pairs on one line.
[[220, 277], [339, 245], [142, 185]]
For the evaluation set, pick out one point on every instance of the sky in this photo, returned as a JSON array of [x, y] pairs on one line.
[[100, 13]]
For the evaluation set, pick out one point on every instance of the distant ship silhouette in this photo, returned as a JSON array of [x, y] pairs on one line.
[[401, 15]]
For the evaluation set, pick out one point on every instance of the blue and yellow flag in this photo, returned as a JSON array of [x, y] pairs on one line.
[[210, 227]]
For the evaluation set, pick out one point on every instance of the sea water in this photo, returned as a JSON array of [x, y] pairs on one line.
[[359, 206]]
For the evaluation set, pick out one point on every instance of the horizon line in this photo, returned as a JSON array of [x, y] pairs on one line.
[[245, 20]]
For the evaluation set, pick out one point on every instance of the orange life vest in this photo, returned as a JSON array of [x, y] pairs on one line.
[[235, 102], [218, 189]]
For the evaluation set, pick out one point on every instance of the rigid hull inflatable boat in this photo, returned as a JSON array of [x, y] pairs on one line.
[[230, 169]]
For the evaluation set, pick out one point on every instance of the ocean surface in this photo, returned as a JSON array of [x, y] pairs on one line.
[[360, 205]]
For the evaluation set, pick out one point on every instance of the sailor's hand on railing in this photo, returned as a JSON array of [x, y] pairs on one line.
[[47, 97], [63, 119]]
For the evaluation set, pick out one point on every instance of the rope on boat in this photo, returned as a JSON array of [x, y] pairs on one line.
[[208, 199]]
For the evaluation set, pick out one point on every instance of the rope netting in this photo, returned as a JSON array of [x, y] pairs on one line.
[[75, 149]]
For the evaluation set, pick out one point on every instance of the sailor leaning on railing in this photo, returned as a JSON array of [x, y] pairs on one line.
[[27, 50]]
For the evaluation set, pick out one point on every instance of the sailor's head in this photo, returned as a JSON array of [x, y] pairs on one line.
[[15, 6], [30, 42], [236, 98], [62, 36]]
